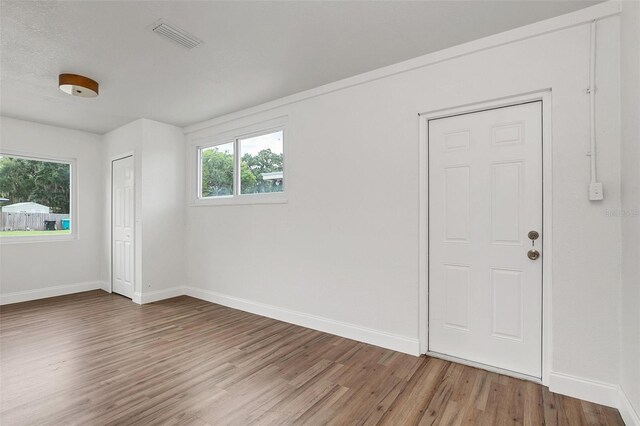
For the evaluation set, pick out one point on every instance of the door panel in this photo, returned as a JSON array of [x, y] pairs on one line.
[[122, 226], [485, 195]]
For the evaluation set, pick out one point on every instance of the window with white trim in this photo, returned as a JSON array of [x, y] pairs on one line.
[[248, 165], [35, 197]]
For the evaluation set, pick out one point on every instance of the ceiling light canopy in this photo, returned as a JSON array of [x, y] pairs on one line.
[[78, 85]]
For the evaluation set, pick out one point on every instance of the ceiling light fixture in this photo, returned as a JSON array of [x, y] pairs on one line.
[[78, 85]]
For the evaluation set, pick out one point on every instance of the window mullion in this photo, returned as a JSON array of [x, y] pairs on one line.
[[237, 173], [199, 173]]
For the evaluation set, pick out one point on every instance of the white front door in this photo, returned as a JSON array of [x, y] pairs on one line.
[[485, 195], [122, 219]]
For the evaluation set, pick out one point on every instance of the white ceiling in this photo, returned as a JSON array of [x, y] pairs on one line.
[[253, 52]]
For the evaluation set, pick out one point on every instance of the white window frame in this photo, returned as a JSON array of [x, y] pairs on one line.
[[235, 137], [199, 176], [73, 205]]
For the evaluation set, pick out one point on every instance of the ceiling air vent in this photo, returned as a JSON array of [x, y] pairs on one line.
[[176, 35]]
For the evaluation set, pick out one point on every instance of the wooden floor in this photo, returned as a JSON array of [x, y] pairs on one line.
[[98, 359]]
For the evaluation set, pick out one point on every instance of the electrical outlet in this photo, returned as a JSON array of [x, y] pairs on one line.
[[596, 192]]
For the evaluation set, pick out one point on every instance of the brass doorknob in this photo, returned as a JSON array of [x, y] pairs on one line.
[[533, 254]]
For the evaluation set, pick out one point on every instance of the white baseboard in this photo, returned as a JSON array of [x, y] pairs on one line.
[[586, 389], [362, 334], [154, 296], [350, 331], [628, 413], [43, 293], [137, 298]]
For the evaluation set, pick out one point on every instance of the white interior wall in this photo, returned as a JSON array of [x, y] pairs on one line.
[[158, 151], [163, 205], [630, 212], [30, 270], [344, 249]]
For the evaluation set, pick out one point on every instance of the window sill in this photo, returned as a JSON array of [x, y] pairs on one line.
[[38, 239], [240, 200]]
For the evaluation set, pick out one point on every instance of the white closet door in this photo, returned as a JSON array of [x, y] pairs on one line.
[[122, 215]]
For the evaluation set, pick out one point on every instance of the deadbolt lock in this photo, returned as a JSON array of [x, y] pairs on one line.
[[533, 254], [533, 235]]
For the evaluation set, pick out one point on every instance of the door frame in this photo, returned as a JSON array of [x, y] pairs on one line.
[[547, 198], [135, 225]]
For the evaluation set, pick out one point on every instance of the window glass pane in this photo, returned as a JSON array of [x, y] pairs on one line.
[[261, 166], [35, 197], [217, 170]]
